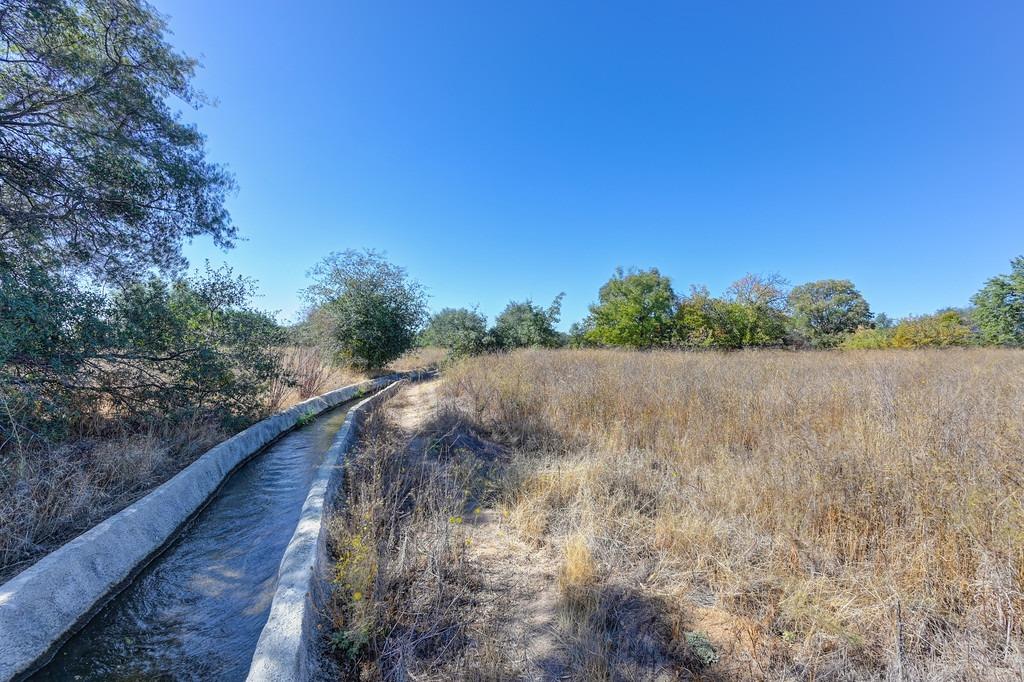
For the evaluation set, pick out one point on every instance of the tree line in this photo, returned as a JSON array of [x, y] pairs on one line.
[[640, 309]]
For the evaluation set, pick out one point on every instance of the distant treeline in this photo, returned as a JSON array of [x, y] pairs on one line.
[[640, 309]]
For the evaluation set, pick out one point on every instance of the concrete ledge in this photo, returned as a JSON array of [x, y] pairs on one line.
[[287, 644], [45, 604]]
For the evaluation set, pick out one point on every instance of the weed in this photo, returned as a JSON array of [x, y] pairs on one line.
[[702, 648]]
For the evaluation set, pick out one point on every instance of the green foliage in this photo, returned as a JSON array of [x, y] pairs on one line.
[[523, 325], [364, 309], [883, 321], [999, 307], [635, 310], [754, 309], [868, 338], [947, 328], [702, 648], [349, 643], [751, 314], [459, 330], [98, 174], [151, 349], [100, 183], [306, 418], [827, 310], [579, 334]]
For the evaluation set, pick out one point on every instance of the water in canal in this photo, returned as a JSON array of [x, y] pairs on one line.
[[196, 612]]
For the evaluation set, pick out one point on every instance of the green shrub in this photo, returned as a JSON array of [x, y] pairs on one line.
[[635, 309], [524, 325], [867, 338], [947, 328], [364, 309], [460, 331]]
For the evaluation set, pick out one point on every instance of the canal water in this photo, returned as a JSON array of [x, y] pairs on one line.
[[196, 612]]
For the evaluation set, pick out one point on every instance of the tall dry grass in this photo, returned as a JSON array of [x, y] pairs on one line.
[[815, 515]]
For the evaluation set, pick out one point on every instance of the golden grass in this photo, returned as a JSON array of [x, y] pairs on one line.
[[856, 515]]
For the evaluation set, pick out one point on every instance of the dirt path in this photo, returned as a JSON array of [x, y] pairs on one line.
[[513, 625]]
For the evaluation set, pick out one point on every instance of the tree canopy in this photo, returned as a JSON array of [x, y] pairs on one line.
[[826, 310], [459, 330], [366, 309], [97, 172], [524, 324], [999, 307], [635, 309]]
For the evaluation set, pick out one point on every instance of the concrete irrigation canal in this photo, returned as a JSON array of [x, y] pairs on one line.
[[196, 612], [215, 575]]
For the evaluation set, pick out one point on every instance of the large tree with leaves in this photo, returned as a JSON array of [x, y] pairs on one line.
[[366, 310], [827, 310], [999, 307], [524, 324], [634, 309], [98, 173]]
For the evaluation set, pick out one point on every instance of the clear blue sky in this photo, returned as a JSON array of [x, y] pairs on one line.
[[513, 150]]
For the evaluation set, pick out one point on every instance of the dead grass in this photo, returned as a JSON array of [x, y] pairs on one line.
[[402, 581], [308, 372], [52, 494], [419, 358], [811, 515]]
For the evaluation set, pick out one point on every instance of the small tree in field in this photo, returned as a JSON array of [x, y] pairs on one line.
[[523, 324], [366, 310], [827, 310], [999, 307], [635, 309], [946, 328], [459, 330]]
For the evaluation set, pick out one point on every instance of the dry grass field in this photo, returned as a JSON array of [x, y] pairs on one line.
[[842, 515]]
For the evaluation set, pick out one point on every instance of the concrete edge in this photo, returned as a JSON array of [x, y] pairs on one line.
[[41, 607], [285, 650]]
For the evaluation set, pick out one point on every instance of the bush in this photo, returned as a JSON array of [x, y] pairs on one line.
[[458, 330], [523, 325], [868, 338], [154, 349], [942, 329], [364, 309]]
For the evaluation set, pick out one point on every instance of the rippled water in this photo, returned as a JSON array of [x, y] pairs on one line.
[[196, 611]]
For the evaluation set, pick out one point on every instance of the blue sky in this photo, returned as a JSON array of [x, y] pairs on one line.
[[509, 150]]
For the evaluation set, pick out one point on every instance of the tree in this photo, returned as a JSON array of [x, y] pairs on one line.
[[97, 173], [523, 324], [368, 310], [883, 321], [635, 309], [460, 330], [755, 308], [703, 321], [999, 307], [750, 314], [826, 310], [944, 328]]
